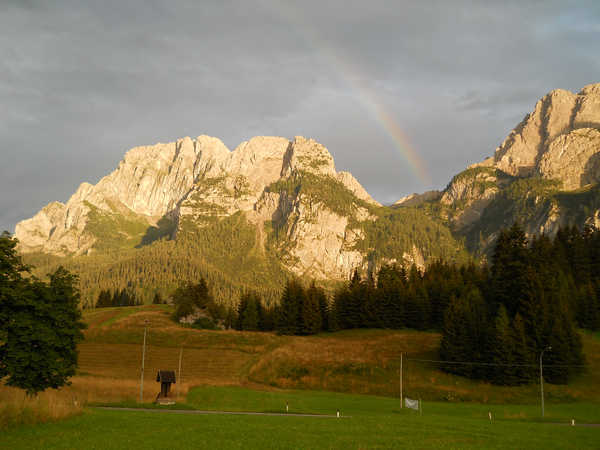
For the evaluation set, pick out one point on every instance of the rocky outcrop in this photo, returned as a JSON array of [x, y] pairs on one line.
[[417, 199], [469, 193], [556, 148], [558, 119], [573, 158], [149, 183], [254, 181]]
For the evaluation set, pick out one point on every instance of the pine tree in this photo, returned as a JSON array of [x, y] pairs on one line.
[[392, 292], [341, 310], [310, 312], [323, 309], [354, 312], [455, 342], [524, 355], [289, 317], [508, 274], [503, 350], [104, 299], [241, 310], [588, 310], [250, 316], [230, 319]]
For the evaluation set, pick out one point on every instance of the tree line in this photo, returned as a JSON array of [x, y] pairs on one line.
[[122, 297], [495, 319]]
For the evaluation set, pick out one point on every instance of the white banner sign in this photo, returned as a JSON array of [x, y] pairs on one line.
[[413, 404]]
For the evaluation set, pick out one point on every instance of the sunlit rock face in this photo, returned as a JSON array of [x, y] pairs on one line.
[[544, 175], [556, 140], [196, 180]]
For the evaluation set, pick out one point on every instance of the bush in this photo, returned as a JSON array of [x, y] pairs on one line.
[[205, 323]]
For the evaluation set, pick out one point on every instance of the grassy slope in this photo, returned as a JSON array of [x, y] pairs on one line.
[[354, 361]]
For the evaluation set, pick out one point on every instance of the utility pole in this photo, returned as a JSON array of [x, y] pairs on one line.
[[179, 372], [401, 400], [542, 378], [143, 360]]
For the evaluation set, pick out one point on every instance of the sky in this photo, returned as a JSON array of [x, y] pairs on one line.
[[404, 94]]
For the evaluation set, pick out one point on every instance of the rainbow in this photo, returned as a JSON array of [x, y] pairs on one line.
[[352, 77]]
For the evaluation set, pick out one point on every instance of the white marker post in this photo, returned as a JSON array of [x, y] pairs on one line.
[[401, 354]]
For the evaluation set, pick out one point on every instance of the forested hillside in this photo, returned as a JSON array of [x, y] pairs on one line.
[[495, 321]]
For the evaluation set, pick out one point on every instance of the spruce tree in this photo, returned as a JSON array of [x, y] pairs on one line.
[[509, 270], [241, 310], [323, 309], [524, 355], [310, 312], [289, 317], [503, 350], [455, 344], [250, 318]]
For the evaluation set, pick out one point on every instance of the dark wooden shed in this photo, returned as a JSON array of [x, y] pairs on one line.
[[165, 378]]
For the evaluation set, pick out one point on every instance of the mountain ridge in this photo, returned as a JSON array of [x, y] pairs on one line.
[[305, 215], [544, 174], [275, 207]]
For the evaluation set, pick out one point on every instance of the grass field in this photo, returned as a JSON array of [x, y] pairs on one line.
[[356, 371], [374, 422]]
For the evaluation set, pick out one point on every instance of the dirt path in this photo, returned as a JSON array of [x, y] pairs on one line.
[[235, 413]]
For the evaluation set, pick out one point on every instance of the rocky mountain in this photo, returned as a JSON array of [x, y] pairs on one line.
[[249, 218], [280, 201], [545, 174]]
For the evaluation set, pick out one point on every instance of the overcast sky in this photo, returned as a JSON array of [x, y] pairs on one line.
[[81, 82]]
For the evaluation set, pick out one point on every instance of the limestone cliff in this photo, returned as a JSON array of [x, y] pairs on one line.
[[562, 123], [313, 218], [545, 174]]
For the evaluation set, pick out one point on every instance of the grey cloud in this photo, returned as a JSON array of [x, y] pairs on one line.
[[81, 82]]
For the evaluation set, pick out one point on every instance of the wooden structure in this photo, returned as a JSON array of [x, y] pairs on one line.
[[165, 378]]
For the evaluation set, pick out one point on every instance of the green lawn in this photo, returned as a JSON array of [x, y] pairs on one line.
[[375, 422]]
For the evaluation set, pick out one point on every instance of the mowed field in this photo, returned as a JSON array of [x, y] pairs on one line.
[[366, 422], [355, 371]]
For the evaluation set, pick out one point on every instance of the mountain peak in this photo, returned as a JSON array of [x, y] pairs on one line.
[[557, 114], [186, 180]]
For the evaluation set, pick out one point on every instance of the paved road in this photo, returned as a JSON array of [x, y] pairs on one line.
[[197, 411]]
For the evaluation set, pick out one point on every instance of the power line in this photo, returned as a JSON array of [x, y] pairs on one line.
[[476, 363]]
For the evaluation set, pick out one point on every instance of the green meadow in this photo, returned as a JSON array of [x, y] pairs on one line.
[[366, 422], [355, 371]]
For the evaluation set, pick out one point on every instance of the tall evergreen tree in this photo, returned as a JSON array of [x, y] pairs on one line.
[[289, 320], [250, 317], [503, 349], [524, 356], [310, 313]]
